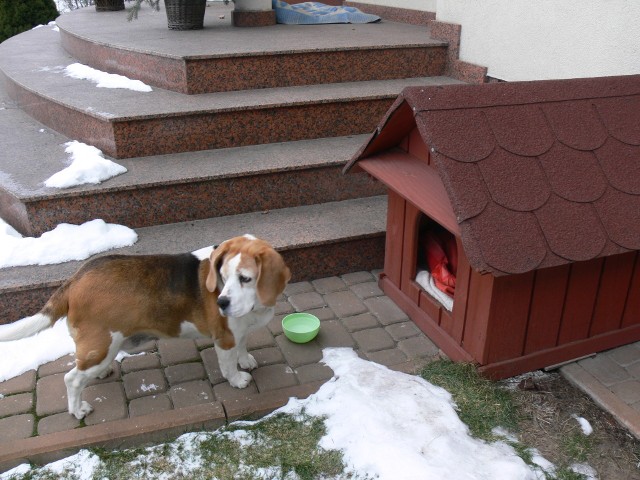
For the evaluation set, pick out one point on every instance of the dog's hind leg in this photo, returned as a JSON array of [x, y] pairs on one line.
[[90, 364]]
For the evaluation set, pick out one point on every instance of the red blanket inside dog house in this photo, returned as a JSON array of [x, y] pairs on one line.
[[537, 185]]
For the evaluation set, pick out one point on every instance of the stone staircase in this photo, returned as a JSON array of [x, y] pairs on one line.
[[246, 130]]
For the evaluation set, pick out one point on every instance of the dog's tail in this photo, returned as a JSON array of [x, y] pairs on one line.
[[56, 308]]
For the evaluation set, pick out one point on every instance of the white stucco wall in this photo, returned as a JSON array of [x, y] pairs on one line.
[[546, 39], [424, 5]]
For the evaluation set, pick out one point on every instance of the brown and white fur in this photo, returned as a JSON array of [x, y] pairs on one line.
[[112, 298]]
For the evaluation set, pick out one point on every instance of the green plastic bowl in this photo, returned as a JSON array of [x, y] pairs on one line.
[[300, 327]]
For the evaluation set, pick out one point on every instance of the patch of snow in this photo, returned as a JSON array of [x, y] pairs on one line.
[[88, 165], [104, 79], [586, 427], [64, 243]]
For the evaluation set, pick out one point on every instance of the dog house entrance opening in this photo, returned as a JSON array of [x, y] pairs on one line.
[[437, 261]]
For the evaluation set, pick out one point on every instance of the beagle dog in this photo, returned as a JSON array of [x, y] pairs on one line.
[[113, 298]]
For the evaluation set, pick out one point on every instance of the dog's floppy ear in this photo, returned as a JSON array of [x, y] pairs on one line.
[[215, 259], [273, 276]]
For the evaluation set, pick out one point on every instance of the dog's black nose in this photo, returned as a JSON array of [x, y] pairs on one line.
[[223, 302]]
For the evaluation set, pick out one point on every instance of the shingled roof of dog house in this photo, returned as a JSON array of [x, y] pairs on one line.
[[539, 182]]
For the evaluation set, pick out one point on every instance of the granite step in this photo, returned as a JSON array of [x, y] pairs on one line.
[[124, 123], [168, 188], [322, 240], [228, 58]]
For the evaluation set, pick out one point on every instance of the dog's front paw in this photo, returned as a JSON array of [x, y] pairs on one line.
[[248, 362], [240, 380], [84, 410]]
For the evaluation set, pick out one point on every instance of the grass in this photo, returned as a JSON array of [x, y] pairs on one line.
[[482, 405], [274, 448]]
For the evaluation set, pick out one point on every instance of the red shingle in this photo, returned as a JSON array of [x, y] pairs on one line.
[[573, 230], [515, 182], [540, 173], [468, 202], [620, 115], [576, 124], [621, 165], [446, 125], [573, 174], [498, 232], [520, 129]]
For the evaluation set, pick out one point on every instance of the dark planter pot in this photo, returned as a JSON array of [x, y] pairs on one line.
[[109, 5], [185, 14]]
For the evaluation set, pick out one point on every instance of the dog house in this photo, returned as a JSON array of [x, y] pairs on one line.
[[532, 193]]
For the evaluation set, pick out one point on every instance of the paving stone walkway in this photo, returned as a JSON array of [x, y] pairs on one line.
[[612, 380], [176, 374]]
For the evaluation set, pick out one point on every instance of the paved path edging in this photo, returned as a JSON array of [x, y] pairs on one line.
[[622, 412]]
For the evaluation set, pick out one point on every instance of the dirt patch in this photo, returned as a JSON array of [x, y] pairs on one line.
[[550, 404]]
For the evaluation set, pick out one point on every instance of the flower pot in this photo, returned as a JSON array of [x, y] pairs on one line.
[[252, 5], [185, 14], [253, 13], [109, 5]]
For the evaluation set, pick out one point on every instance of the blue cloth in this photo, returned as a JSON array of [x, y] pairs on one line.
[[314, 13]]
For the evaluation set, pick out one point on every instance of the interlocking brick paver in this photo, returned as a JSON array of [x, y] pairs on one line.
[[226, 393], [211, 365], [151, 404], [61, 365], [16, 427], [357, 277], [628, 391], [177, 350], [625, 355], [108, 402], [328, 285], [15, 404], [388, 358], [360, 322], [191, 393], [313, 372], [140, 362], [58, 422], [273, 377], [634, 370], [144, 382], [282, 308], [297, 288], [185, 372], [400, 331], [303, 302], [298, 354], [373, 339], [51, 395], [268, 356], [275, 325], [260, 338], [22, 383], [323, 313], [418, 347], [333, 334], [605, 369], [345, 303], [386, 311], [366, 290]]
